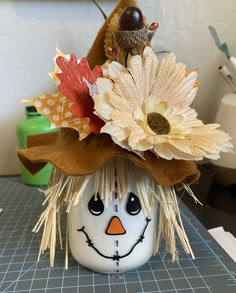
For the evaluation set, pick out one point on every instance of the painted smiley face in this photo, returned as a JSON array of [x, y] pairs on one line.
[[111, 239], [115, 226]]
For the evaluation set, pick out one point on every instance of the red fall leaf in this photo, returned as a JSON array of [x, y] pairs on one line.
[[73, 86]]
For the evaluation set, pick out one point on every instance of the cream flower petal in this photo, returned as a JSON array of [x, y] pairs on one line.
[[118, 134], [153, 106], [163, 151], [123, 120], [137, 140], [104, 85], [120, 104], [173, 152], [190, 96], [185, 148], [150, 69], [176, 120], [115, 69], [135, 70], [127, 90], [182, 93], [208, 142], [139, 115], [190, 82], [169, 79], [144, 66], [119, 137], [105, 71], [102, 106], [140, 146]]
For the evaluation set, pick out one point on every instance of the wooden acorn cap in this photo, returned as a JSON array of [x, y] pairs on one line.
[[131, 39]]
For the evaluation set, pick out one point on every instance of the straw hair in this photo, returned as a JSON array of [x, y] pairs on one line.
[[64, 190]]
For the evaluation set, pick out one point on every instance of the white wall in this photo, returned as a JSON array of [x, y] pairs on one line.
[[30, 29]]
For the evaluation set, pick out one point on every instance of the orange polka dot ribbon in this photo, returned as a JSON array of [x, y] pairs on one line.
[[57, 108]]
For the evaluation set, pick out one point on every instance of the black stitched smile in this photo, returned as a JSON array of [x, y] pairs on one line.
[[116, 257]]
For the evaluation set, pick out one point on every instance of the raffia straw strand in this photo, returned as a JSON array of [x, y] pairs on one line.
[[82, 183], [165, 227], [170, 222], [107, 187], [49, 218], [181, 223], [190, 192], [174, 212], [159, 232], [121, 177], [142, 190], [112, 179], [59, 228], [67, 242], [53, 239], [97, 180], [51, 201]]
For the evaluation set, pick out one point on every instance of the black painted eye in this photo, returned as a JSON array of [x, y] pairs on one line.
[[133, 206], [95, 205]]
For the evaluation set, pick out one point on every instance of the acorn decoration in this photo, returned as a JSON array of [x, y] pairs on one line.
[[132, 32], [129, 34]]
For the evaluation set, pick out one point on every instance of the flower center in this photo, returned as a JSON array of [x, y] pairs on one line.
[[158, 123]]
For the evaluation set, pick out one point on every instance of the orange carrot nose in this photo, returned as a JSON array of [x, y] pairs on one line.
[[115, 227]]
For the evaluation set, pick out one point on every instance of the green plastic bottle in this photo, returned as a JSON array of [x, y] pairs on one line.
[[34, 123]]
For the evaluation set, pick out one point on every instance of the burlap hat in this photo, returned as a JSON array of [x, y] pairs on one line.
[[67, 153]]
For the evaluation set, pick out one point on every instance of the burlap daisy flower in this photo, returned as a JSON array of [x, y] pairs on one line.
[[146, 106]]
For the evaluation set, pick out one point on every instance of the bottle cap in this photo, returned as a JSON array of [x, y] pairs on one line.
[[31, 110]]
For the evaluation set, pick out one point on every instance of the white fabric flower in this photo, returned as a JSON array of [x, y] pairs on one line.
[[146, 106]]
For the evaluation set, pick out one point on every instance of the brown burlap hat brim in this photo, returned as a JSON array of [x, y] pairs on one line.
[[77, 158]]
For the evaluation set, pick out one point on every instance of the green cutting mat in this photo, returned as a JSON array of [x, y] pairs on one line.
[[211, 271]]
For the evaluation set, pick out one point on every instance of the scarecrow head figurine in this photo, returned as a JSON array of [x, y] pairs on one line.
[[128, 138]]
